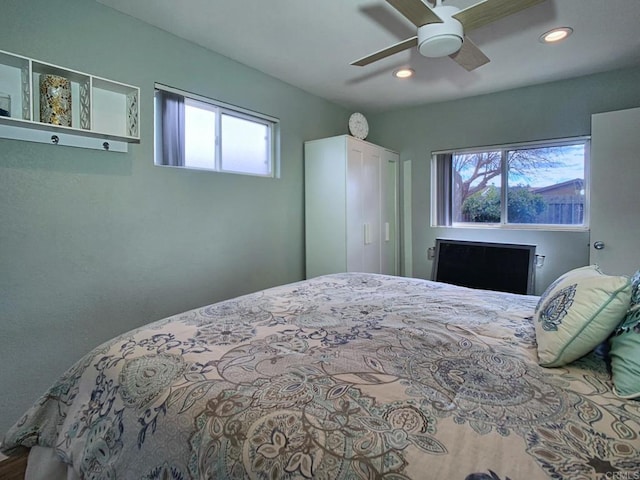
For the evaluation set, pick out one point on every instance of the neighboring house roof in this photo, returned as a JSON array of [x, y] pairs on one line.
[[574, 185]]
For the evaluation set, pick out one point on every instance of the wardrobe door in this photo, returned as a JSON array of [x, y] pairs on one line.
[[371, 209], [363, 207], [355, 222], [390, 248]]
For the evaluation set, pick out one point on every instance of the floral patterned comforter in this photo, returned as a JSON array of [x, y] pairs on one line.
[[346, 376]]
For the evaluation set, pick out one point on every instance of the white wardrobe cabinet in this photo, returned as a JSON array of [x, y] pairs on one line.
[[351, 207]]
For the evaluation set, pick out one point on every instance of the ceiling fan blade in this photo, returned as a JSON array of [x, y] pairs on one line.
[[398, 47], [415, 11], [489, 11], [469, 56]]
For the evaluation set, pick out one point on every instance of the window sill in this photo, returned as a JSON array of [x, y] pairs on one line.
[[540, 228]]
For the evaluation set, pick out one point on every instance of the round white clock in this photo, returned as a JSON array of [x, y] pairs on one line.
[[358, 126]]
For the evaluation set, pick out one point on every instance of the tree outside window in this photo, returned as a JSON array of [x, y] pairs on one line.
[[541, 185]]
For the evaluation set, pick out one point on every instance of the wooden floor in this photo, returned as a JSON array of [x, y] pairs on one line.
[[13, 468]]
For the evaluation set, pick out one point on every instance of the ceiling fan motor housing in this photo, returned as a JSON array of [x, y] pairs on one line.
[[441, 39]]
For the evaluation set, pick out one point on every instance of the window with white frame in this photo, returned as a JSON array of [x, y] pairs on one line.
[[199, 133], [541, 185]]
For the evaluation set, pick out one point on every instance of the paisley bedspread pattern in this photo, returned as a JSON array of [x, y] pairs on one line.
[[347, 376]]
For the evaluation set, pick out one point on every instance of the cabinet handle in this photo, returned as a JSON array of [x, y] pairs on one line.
[[367, 234], [387, 235]]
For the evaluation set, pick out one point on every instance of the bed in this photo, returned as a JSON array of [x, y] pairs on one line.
[[343, 376]]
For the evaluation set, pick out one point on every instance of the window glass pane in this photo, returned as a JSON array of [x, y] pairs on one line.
[[546, 185], [245, 146], [199, 134], [476, 187], [526, 185]]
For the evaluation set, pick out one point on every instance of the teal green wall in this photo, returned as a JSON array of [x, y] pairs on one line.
[[95, 243], [553, 110]]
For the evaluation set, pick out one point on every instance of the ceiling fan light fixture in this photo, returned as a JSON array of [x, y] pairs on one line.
[[441, 39], [556, 35], [440, 46], [404, 72]]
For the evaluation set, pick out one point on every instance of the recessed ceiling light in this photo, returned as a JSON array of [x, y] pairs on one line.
[[403, 73], [556, 35]]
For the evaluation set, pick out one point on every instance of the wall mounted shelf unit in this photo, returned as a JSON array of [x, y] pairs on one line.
[[104, 114]]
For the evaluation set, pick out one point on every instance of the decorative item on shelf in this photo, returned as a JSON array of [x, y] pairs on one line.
[[85, 105], [133, 115], [5, 105], [55, 100], [358, 126]]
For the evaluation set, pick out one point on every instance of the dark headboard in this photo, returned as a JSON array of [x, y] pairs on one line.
[[505, 267]]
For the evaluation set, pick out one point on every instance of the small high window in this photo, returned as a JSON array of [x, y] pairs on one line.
[[200, 133], [542, 184]]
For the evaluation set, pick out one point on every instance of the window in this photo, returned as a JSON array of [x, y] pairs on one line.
[[199, 133], [541, 184]]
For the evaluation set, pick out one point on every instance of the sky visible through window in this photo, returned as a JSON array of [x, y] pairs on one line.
[[245, 143], [244, 146], [568, 164], [200, 136]]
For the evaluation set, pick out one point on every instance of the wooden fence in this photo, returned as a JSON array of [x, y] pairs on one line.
[[562, 209]]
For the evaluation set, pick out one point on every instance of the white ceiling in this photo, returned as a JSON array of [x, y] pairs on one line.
[[310, 44]]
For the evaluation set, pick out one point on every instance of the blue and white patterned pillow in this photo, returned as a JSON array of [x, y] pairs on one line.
[[624, 348], [578, 312]]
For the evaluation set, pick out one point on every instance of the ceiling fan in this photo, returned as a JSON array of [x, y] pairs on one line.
[[442, 28]]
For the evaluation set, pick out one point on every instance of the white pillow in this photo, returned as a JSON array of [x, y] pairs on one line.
[[577, 312]]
